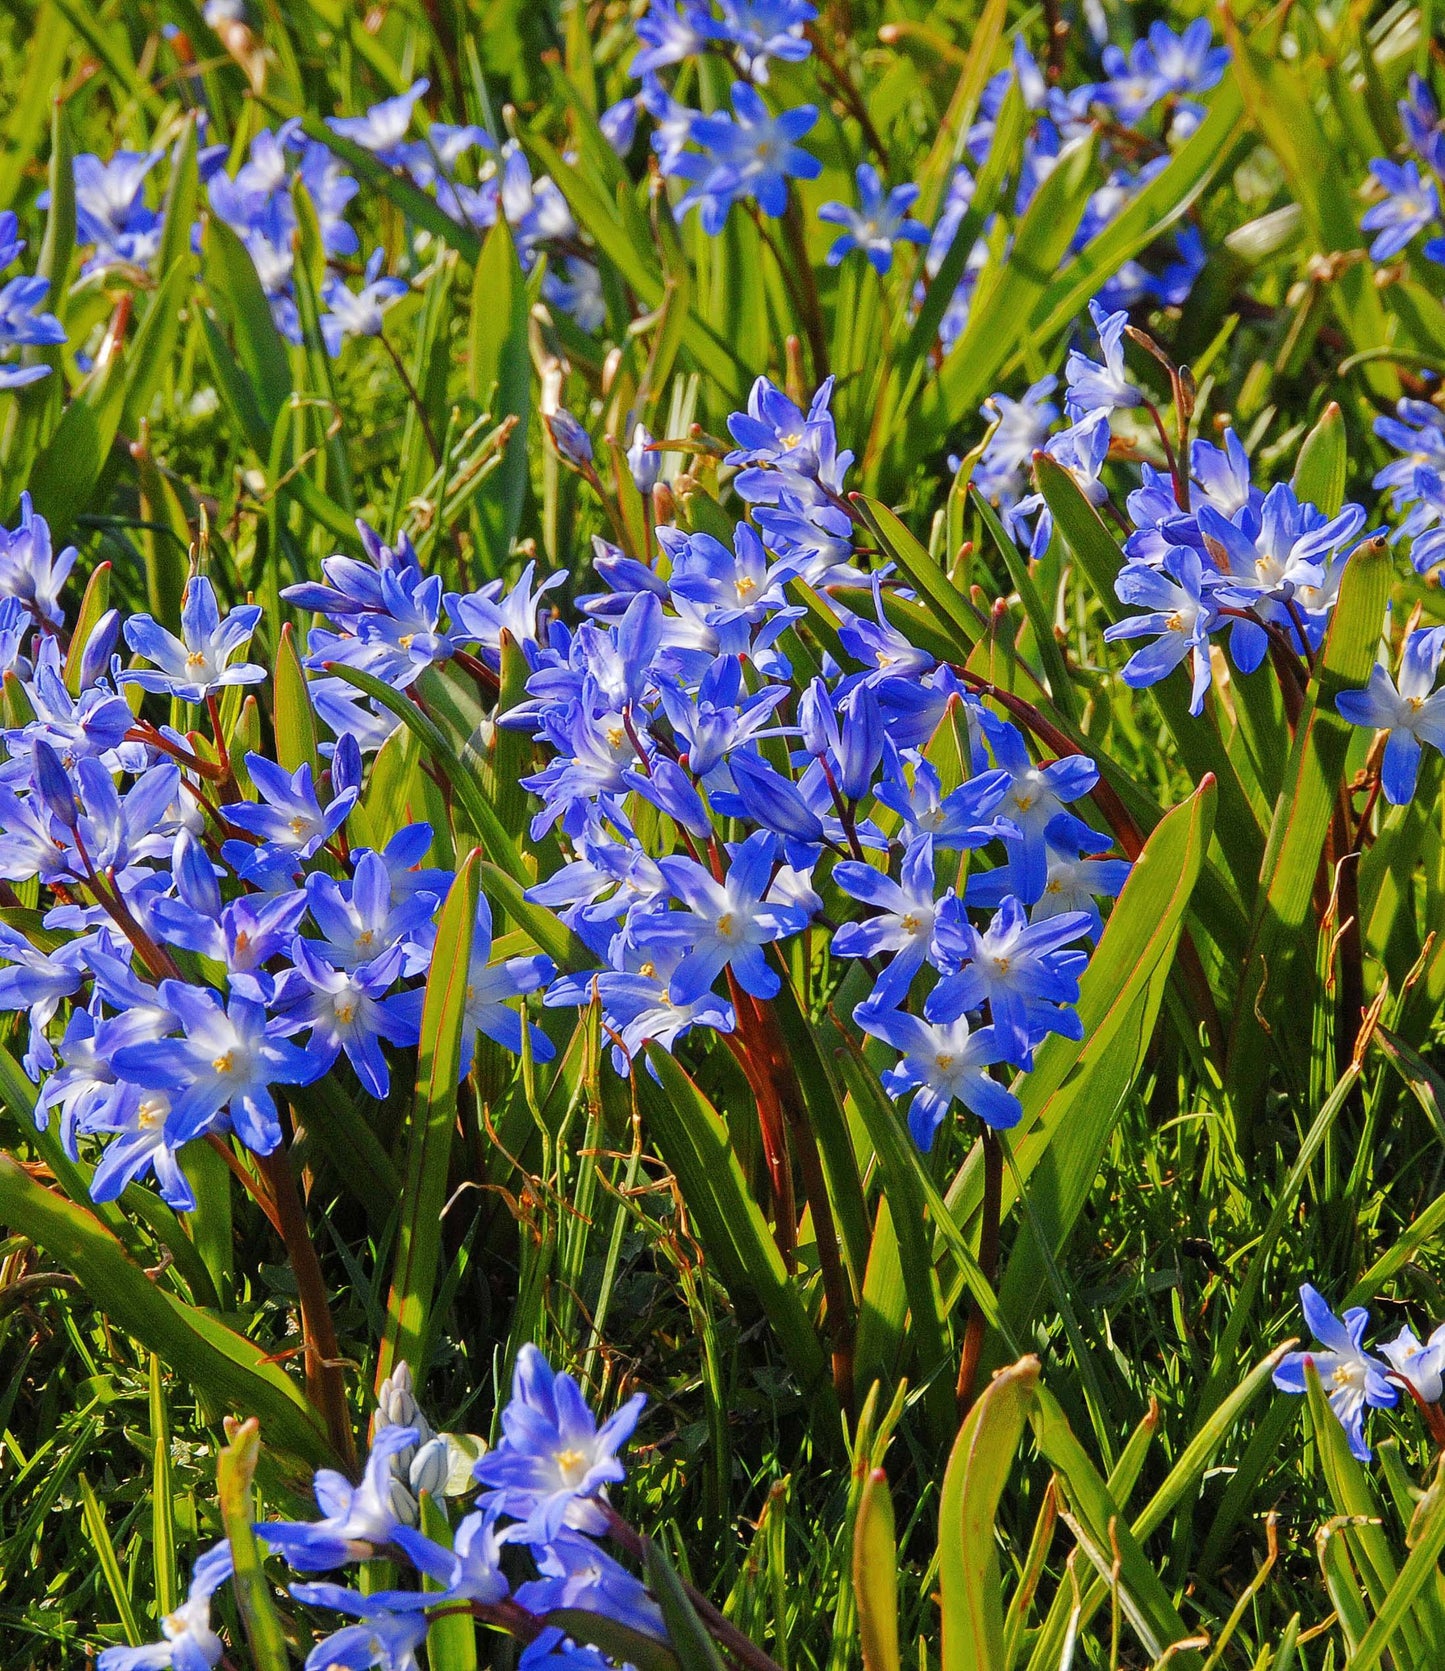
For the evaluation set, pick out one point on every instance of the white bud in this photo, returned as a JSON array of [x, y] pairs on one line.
[[428, 1470]]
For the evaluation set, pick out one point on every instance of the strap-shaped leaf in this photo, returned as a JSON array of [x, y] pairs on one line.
[[1273, 966], [212, 1358], [971, 1592], [235, 1470]]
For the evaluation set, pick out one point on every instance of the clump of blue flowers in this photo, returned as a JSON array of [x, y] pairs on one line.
[[544, 1489]]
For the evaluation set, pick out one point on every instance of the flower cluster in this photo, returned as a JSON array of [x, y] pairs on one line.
[[1144, 105], [1207, 551], [201, 916], [544, 1489], [791, 800], [1355, 1380]]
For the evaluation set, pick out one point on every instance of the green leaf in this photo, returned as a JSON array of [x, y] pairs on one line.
[[433, 1117], [1148, 214], [1323, 463], [163, 1516], [151, 355], [1421, 1570], [690, 1640], [65, 474], [875, 1575], [47, 44], [622, 1645], [93, 604], [203, 1352], [295, 718], [694, 1142], [1076, 1090], [1104, 1534], [971, 1592], [923, 571], [1274, 967], [451, 1642], [235, 1470], [498, 359], [1009, 291], [94, 1517], [261, 355], [1060, 687]]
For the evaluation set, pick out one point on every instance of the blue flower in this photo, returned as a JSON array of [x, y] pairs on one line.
[[383, 1637], [135, 1120], [1420, 117], [1187, 62], [553, 1650], [289, 818], [751, 153], [1353, 1380], [1035, 796], [880, 221], [379, 909], [36, 981], [942, 1064], [345, 1009], [669, 31], [573, 443], [357, 1520], [23, 325], [28, 570], [1420, 1367], [358, 313], [575, 1573], [903, 925], [111, 212], [800, 448], [225, 1063], [1410, 712], [1019, 429], [960, 819], [469, 1571], [553, 1460], [1077, 876], [1180, 613], [385, 126], [197, 664], [190, 1643], [1411, 203], [726, 924], [1020, 969], [1093, 387], [491, 987], [638, 1007], [763, 29]]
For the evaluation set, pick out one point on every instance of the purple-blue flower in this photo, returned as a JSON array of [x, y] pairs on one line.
[[880, 221], [553, 1460], [942, 1063], [1353, 1380]]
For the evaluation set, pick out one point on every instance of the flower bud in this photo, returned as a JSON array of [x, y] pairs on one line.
[[98, 647], [573, 443], [645, 466], [53, 782], [428, 1470]]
